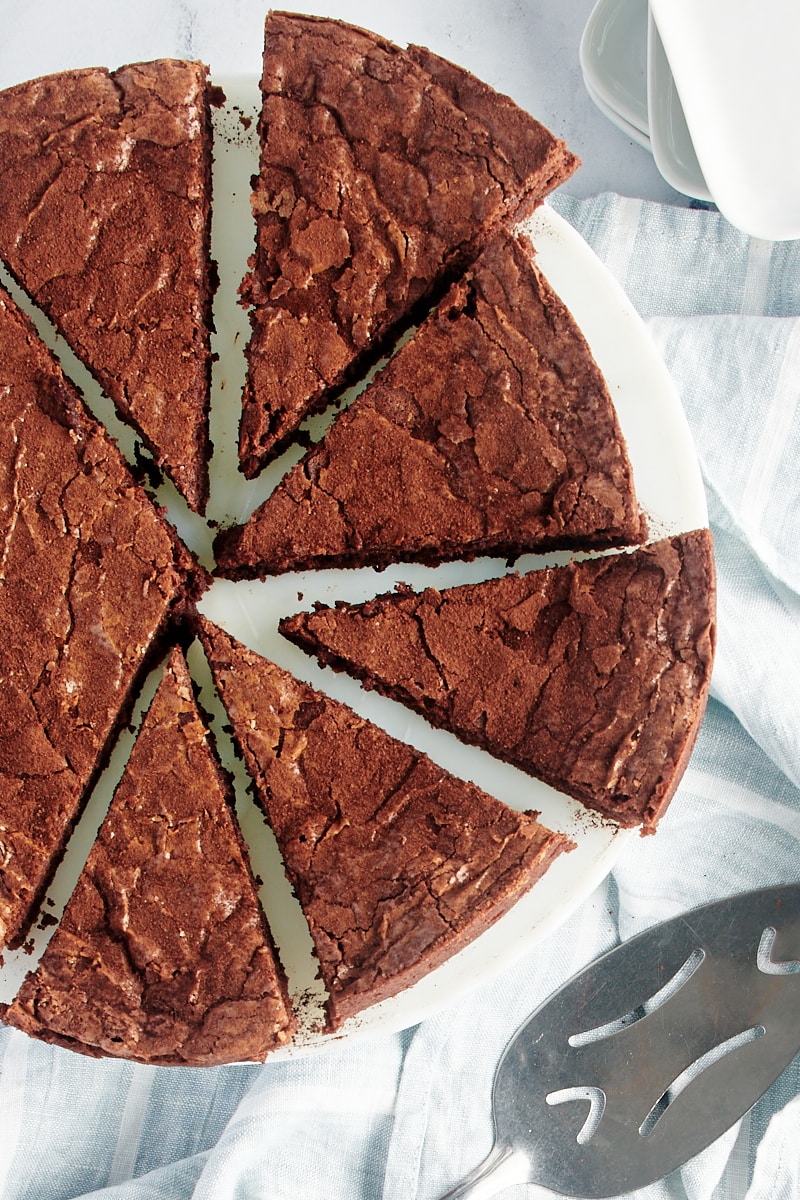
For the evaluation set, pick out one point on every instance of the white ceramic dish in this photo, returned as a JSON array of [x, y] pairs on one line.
[[735, 68], [627, 76], [613, 58], [670, 141], [670, 491], [630, 131]]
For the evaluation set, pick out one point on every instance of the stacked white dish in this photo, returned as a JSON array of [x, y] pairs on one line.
[[710, 89]]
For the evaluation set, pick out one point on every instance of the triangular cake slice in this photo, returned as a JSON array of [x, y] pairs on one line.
[[491, 431], [105, 220], [397, 863], [381, 172], [90, 575], [163, 954], [592, 676]]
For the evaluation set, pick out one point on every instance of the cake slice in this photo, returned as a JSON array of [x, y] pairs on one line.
[[163, 954], [381, 172], [592, 677], [90, 575], [491, 431], [105, 220], [397, 864]]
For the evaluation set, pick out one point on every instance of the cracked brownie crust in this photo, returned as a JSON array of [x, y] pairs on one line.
[[105, 221], [90, 576], [490, 432], [592, 677], [397, 864], [381, 172], [163, 955]]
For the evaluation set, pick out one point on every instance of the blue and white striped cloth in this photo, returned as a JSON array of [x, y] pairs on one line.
[[405, 1116]]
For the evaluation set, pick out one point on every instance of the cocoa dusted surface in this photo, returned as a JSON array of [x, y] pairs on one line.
[[397, 864], [592, 677], [381, 171], [163, 955], [90, 574], [491, 431], [105, 222]]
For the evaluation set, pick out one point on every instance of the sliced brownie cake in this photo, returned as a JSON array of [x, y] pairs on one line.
[[163, 954], [90, 574], [397, 864], [381, 172], [105, 218], [491, 431], [592, 677]]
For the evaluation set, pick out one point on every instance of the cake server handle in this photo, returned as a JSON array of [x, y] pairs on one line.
[[502, 1167]]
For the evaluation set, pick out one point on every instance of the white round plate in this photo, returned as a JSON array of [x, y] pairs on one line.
[[670, 491]]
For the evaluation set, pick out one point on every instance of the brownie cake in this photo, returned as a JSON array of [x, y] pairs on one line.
[[491, 431], [89, 576], [381, 172], [163, 955], [389, 185], [397, 864], [106, 186], [592, 677]]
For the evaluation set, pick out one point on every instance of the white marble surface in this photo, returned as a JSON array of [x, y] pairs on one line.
[[527, 48]]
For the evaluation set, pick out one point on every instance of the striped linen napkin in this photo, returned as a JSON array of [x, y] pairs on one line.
[[405, 1116]]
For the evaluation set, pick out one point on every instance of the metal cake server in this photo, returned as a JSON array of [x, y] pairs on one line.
[[650, 1053]]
